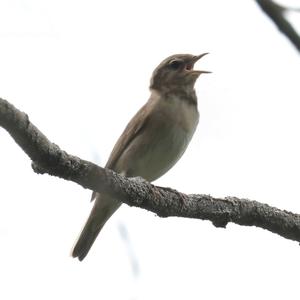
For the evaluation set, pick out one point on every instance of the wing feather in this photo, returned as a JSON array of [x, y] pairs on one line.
[[133, 129]]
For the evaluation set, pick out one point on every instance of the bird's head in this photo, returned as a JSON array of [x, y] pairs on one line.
[[176, 72]]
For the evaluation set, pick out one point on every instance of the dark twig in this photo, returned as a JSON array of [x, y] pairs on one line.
[[165, 202], [276, 13]]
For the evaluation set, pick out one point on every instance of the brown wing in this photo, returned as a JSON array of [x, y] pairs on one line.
[[134, 127]]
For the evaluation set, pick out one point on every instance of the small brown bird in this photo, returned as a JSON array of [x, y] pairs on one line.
[[154, 140]]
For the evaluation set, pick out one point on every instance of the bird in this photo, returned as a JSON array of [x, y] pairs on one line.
[[154, 139]]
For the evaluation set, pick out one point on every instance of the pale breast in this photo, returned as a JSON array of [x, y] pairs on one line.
[[165, 138]]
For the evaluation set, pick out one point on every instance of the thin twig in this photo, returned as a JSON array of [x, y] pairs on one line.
[[276, 13]]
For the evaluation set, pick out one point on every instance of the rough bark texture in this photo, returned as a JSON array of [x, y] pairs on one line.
[[277, 14], [165, 202]]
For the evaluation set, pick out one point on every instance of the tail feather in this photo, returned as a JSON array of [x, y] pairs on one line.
[[87, 238], [101, 212]]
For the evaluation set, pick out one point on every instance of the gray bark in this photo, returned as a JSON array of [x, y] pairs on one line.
[[165, 202]]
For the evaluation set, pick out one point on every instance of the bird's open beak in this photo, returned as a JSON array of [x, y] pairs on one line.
[[190, 66]]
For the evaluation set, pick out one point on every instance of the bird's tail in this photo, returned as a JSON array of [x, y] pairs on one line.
[[103, 209]]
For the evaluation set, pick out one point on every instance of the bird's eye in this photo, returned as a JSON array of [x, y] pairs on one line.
[[175, 64]]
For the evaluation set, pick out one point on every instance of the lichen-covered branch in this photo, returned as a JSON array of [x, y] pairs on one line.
[[276, 13], [49, 158]]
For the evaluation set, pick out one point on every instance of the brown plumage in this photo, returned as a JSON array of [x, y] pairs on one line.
[[154, 140]]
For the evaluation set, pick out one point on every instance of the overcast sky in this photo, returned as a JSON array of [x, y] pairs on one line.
[[81, 69]]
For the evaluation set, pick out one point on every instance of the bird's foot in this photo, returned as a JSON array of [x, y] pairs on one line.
[[182, 197]]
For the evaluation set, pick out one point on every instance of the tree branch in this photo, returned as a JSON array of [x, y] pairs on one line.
[[165, 202], [276, 13]]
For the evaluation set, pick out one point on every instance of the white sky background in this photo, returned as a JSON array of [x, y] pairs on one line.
[[81, 69]]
